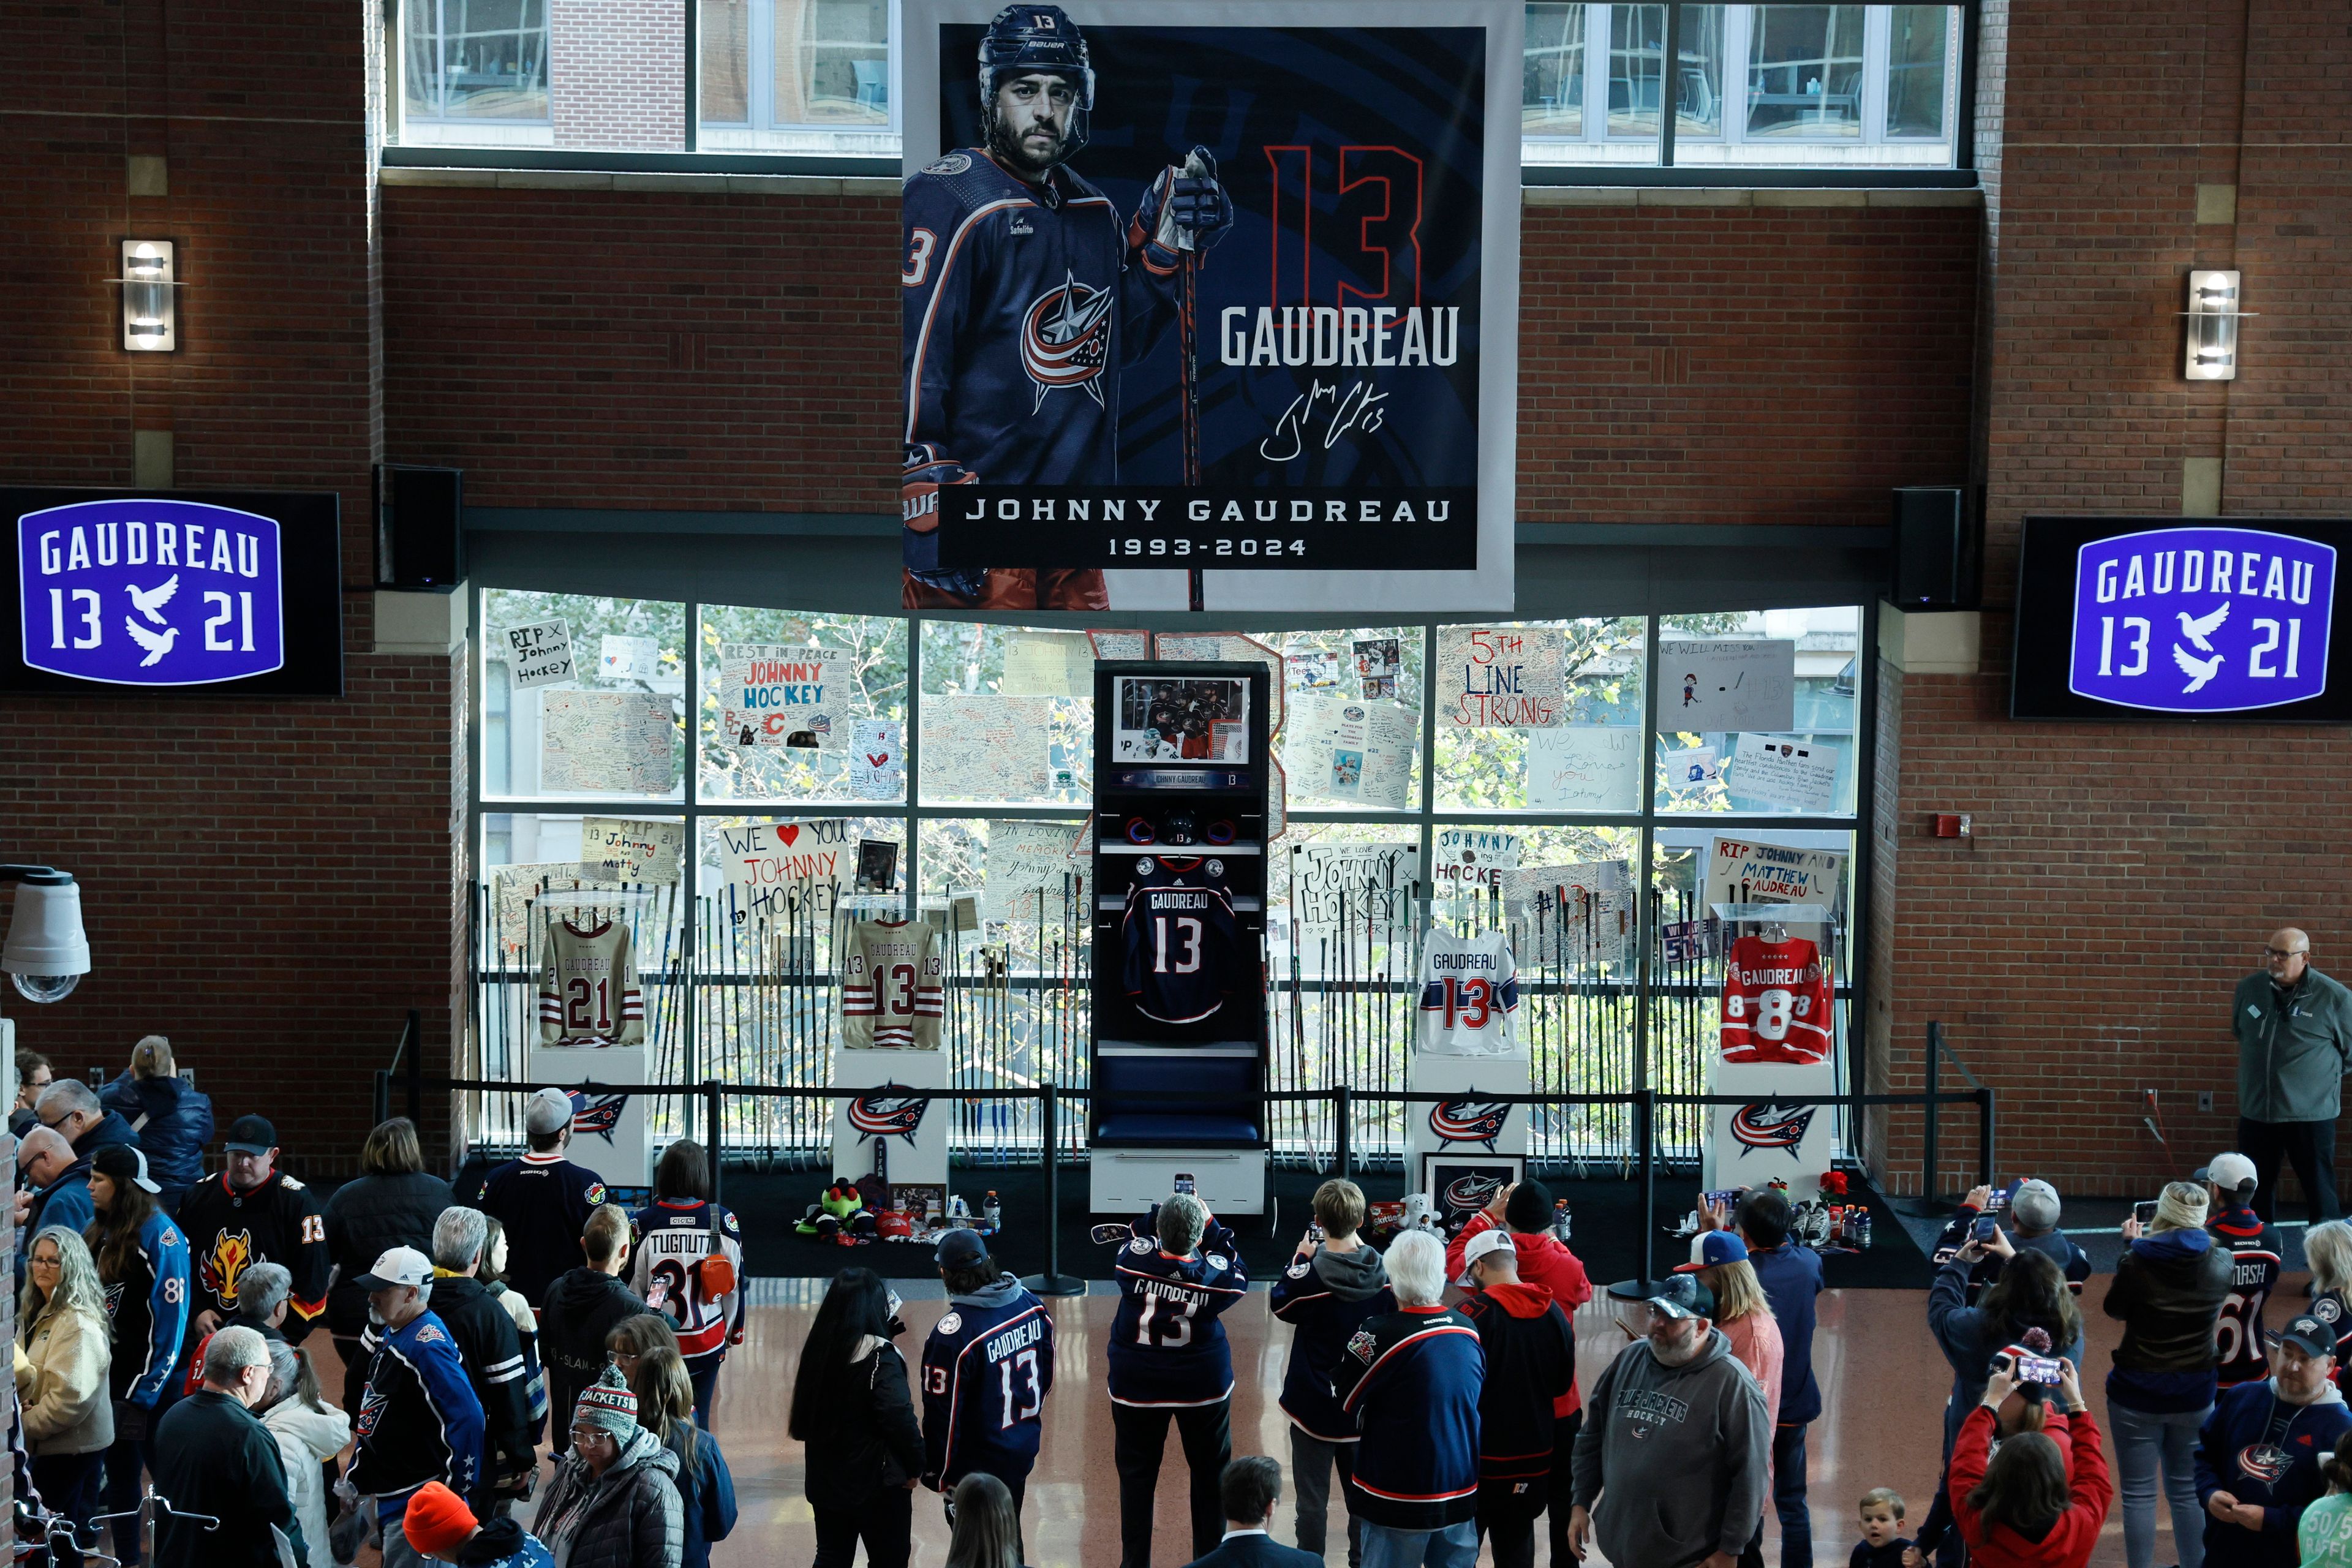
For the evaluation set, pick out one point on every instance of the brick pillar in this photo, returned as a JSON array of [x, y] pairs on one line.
[[616, 73]]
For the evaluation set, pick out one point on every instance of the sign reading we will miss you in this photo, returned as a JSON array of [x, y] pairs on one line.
[[203, 593], [2150, 618]]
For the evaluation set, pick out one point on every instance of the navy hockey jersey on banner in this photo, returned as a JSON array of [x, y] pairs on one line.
[[1022, 305], [1182, 946], [544, 1202], [2241, 1356], [148, 1312], [229, 1231], [419, 1420], [1167, 1347], [672, 1238], [986, 1370]]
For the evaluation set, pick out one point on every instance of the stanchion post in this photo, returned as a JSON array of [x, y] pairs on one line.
[[382, 1103], [1342, 1119], [414, 1061], [1984, 1137], [1052, 1282], [1646, 1107], [712, 1107], [1928, 1188]]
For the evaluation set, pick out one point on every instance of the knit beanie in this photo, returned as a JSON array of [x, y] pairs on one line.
[[2177, 1211], [607, 1403], [1529, 1208], [437, 1521]]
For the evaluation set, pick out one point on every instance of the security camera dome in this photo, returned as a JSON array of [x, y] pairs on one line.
[[45, 987]]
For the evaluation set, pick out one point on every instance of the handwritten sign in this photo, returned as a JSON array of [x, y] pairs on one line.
[[877, 765], [601, 741], [630, 851], [1500, 677], [1028, 858], [1691, 767], [1373, 748], [987, 747], [1785, 770], [629, 659], [512, 888], [1743, 871], [1729, 685], [1109, 643], [1355, 884], [1042, 664], [1584, 767], [1470, 859], [539, 654], [768, 867], [781, 694]]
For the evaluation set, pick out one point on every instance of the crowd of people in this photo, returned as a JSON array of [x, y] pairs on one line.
[[163, 1316]]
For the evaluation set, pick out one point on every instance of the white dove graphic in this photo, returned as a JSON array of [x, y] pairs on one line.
[[2203, 626], [157, 647], [2201, 669], [150, 601]]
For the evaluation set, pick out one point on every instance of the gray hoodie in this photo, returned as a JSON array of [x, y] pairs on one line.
[[1355, 1276], [1676, 1457]]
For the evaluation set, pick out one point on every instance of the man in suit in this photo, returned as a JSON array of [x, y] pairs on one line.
[[1251, 1490]]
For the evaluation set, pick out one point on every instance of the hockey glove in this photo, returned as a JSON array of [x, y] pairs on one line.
[[925, 472], [1185, 210]]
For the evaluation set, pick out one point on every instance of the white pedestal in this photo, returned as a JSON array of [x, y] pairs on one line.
[[1466, 1122], [916, 1127], [608, 1131], [1750, 1144], [1128, 1181]]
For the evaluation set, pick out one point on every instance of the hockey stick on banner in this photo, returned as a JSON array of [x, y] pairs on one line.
[[1188, 361]]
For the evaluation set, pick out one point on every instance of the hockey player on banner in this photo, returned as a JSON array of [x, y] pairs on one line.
[[1024, 297]]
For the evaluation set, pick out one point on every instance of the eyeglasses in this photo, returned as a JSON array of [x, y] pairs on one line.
[[50, 1262], [589, 1434], [2281, 955]]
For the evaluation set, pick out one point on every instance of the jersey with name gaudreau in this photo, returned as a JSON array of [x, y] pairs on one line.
[[588, 992], [1167, 1346], [986, 1371], [1776, 1002], [1181, 945], [893, 990], [1469, 994]]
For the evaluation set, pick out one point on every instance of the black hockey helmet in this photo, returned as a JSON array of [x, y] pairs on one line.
[[1026, 38]]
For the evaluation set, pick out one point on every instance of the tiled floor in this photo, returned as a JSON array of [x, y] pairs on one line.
[[1883, 1383]]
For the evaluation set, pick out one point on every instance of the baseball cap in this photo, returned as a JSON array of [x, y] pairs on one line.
[[2306, 1333], [547, 1111], [122, 1163], [1711, 1248], [251, 1135], [2228, 1172], [438, 1520], [962, 1248], [396, 1265], [1682, 1296], [1483, 1243]]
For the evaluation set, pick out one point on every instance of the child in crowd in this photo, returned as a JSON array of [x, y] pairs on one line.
[[1882, 1545]]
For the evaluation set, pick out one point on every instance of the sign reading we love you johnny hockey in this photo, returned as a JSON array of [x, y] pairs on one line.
[[1212, 298], [217, 593], [2158, 619]]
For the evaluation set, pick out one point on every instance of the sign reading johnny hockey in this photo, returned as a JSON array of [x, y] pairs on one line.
[[1209, 303], [2150, 618]]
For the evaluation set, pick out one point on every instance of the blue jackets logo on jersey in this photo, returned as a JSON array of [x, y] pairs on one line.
[[1066, 339], [1769, 1126], [2265, 1461], [1467, 1121]]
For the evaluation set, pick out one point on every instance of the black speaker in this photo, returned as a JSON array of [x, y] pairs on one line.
[[420, 528], [1938, 556]]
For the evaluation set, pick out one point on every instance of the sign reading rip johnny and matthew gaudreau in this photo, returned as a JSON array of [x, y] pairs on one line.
[[1198, 287]]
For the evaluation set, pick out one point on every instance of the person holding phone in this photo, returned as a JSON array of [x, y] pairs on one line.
[[2028, 1293], [2032, 1502], [2169, 1287]]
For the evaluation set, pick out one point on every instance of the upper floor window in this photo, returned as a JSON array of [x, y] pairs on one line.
[[480, 65]]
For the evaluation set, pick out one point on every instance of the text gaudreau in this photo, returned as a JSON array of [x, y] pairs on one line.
[[1328, 528]]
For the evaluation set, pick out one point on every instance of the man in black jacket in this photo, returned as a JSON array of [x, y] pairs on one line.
[[71, 1107], [492, 1352], [1530, 1361], [544, 1200], [581, 1309], [213, 1457]]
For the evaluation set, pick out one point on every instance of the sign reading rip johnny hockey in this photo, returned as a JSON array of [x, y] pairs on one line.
[[1209, 288], [2146, 619]]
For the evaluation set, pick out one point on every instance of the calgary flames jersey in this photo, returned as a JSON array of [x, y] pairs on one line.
[[893, 986], [588, 992], [1776, 1002], [229, 1231]]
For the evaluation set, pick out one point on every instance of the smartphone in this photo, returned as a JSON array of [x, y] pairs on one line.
[[1315, 1228], [2145, 1211], [1721, 1197], [1998, 1202], [1985, 1227], [891, 1304], [1184, 1184], [2041, 1369]]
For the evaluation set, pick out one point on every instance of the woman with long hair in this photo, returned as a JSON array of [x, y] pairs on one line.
[[2169, 1289], [628, 1340], [1743, 1315], [665, 1394], [173, 1121], [493, 1276], [987, 1531], [308, 1432], [2324, 1531], [689, 1264], [392, 1202], [61, 1374], [2327, 1248], [852, 1410], [2017, 1508], [143, 1265], [2030, 1292]]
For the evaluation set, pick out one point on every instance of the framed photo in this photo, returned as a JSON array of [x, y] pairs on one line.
[[1167, 719], [1459, 1185]]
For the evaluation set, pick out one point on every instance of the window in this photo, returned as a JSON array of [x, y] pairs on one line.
[[1918, 43], [1804, 72], [481, 63], [799, 76], [1552, 100], [586, 743]]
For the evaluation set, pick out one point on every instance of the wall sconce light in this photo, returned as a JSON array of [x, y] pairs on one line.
[[2213, 316], [150, 315]]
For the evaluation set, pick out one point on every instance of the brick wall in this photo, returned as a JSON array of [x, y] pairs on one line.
[[2081, 947], [615, 77]]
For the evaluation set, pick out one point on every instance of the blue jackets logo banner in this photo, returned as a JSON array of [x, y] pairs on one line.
[[150, 592], [1210, 305], [2202, 620]]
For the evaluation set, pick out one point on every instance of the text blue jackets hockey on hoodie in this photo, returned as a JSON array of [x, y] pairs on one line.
[[986, 1370], [1327, 1295], [419, 1420], [2260, 1449], [1411, 1381], [1167, 1347]]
